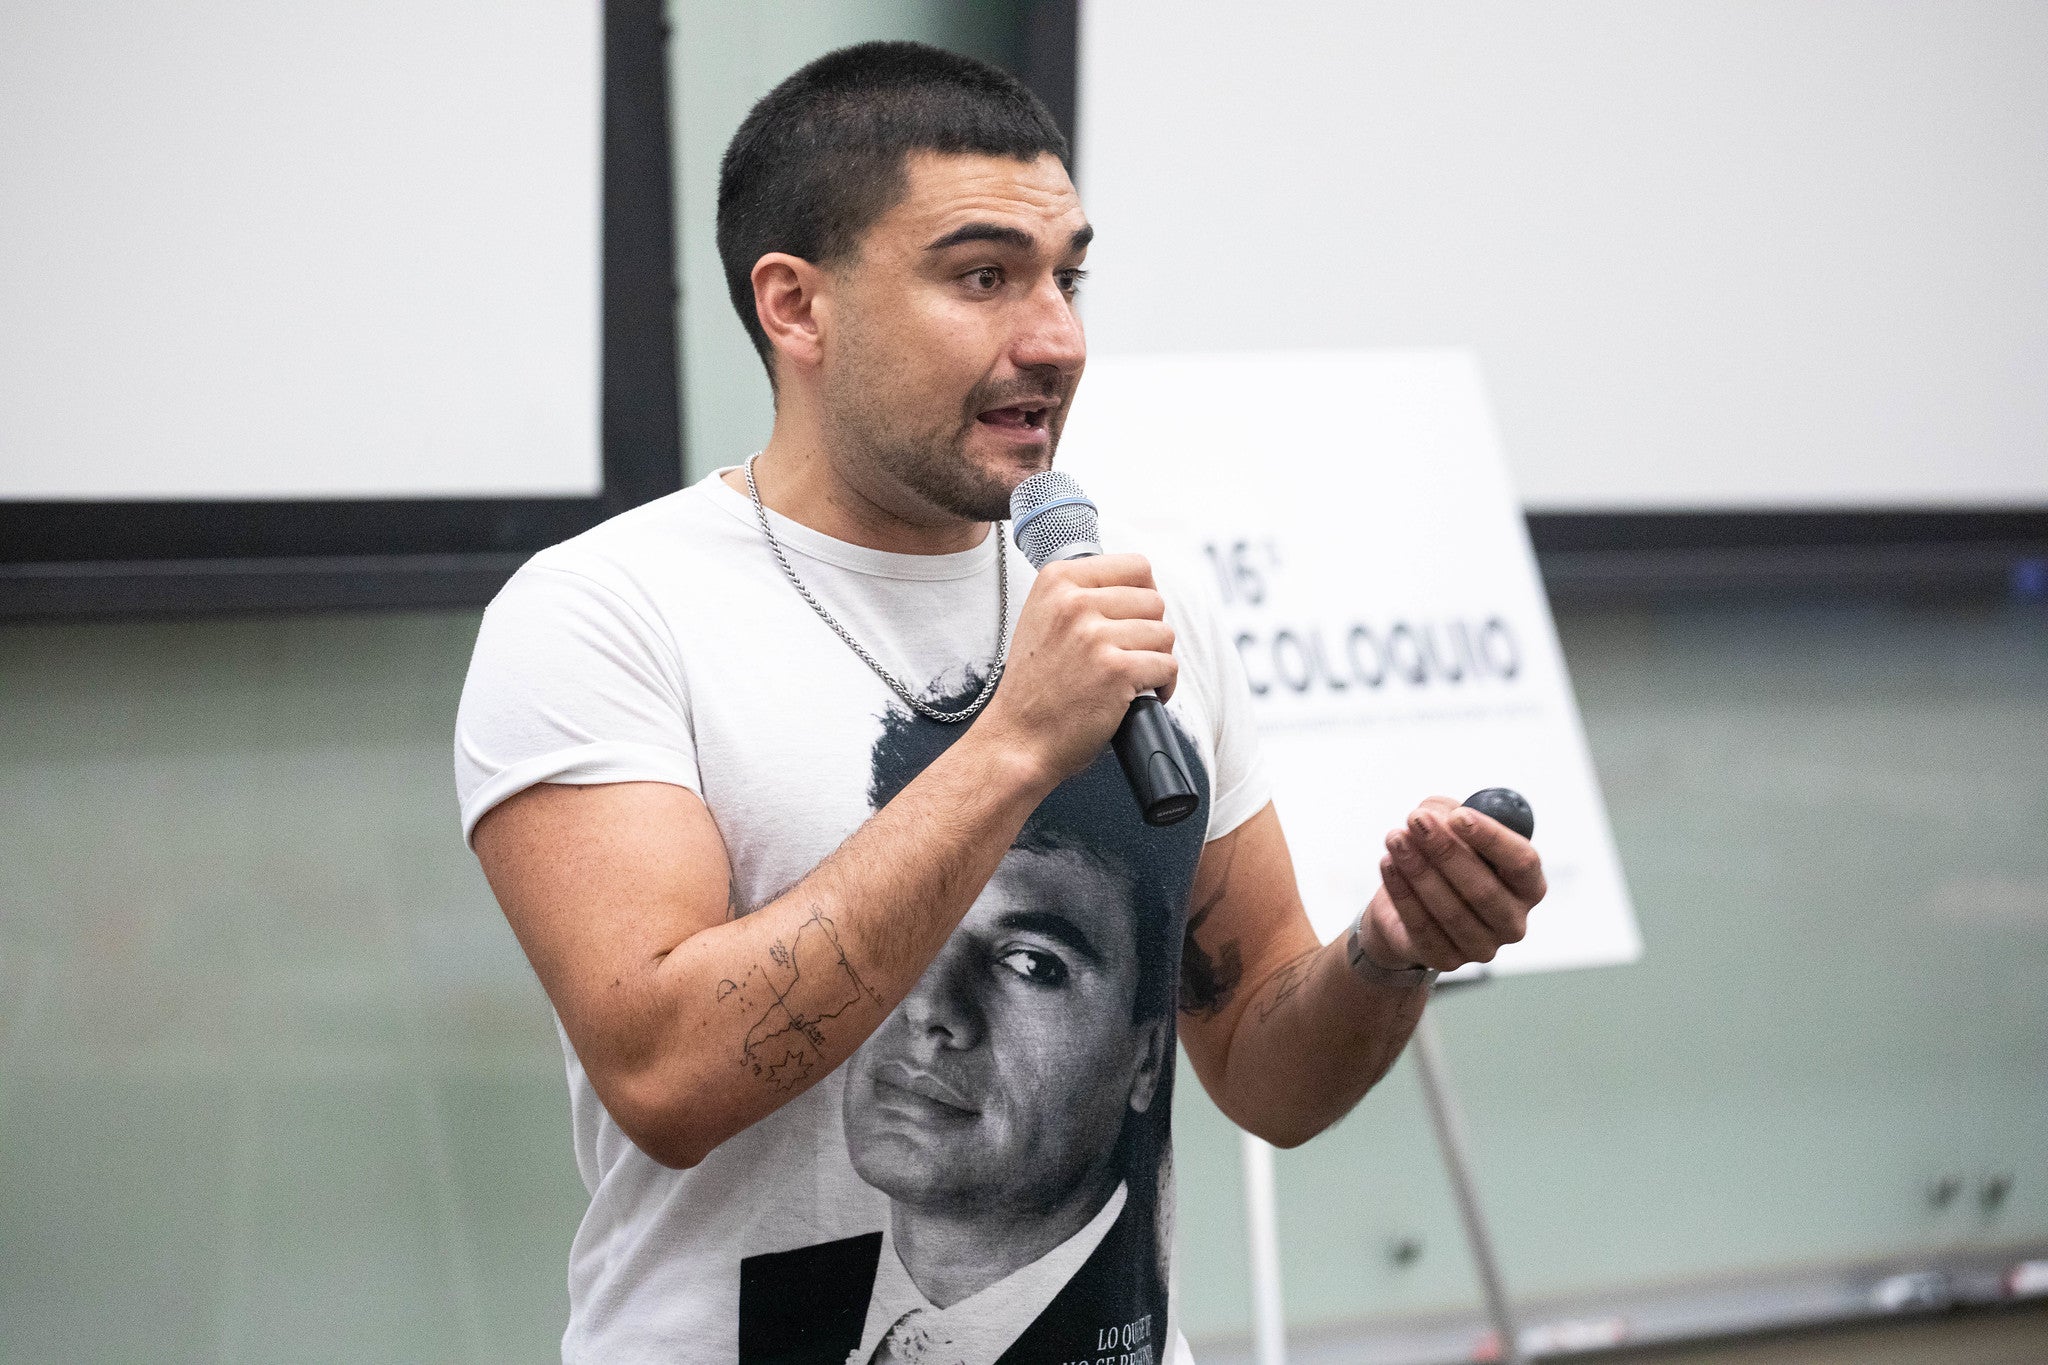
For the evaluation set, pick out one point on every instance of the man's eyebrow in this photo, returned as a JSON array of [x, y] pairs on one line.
[[1003, 235], [985, 232], [1056, 927]]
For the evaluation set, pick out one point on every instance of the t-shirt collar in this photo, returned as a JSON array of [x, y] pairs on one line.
[[800, 539]]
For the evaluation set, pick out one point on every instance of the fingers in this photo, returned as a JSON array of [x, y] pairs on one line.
[[1130, 620], [1469, 876], [1151, 671], [1161, 674], [1407, 928], [1103, 571], [1136, 633], [1511, 856], [1140, 647], [1071, 597], [1440, 903], [1125, 603], [1091, 637], [1474, 906]]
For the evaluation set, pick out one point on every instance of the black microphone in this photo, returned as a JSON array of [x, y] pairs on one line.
[[1053, 520]]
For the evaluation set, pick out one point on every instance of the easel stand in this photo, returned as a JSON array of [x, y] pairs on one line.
[[1269, 1331], [1450, 1141], [1269, 1317]]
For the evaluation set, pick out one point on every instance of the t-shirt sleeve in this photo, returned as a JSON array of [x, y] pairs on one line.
[[1239, 787], [571, 682]]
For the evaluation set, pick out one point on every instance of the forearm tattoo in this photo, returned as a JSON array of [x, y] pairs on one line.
[[806, 983], [1207, 981], [1281, 986]]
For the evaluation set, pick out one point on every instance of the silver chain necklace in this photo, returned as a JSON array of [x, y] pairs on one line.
[[922, 707]]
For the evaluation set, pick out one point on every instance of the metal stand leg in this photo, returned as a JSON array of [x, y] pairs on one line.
[[1269, 1319], [1450, 1140]]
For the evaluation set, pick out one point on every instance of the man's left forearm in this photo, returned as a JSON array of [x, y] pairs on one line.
[[1314, 1036], [1287, 1035]]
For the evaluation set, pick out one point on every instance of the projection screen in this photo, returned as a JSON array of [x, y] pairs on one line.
[[327, 280]]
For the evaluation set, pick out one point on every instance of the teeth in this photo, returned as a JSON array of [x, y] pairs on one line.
[[1028, 417]]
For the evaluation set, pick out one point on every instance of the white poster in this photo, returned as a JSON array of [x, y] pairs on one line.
[[1352, 510]]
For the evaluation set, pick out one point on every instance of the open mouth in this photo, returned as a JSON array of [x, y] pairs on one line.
[[1017, 417]]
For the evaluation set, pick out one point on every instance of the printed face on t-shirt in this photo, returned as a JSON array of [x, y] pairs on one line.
[[1002, 1082]]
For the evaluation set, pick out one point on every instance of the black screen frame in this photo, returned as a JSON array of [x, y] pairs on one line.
[[1754, 557], [63, 559]]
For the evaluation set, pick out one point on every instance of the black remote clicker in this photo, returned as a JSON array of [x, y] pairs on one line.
[[1506, 805]]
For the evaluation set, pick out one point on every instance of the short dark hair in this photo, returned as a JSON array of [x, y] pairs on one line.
[[1093, 815], [820, 157]]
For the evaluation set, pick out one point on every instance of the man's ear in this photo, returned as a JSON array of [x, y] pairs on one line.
[[787, 301], [1152, 1045]]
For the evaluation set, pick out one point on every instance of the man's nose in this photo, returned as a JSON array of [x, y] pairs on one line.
[[942, 1007], [1049, 333]]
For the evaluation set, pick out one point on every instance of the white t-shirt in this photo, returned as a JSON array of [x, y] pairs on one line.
[[1027, 1080]]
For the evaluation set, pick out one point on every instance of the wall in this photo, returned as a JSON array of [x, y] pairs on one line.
[[273, 1070], [275, 1081]]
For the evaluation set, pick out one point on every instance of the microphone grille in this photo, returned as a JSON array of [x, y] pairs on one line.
[[1049, 513]]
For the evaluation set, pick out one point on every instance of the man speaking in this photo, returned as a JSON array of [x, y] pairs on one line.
[[756, 772]]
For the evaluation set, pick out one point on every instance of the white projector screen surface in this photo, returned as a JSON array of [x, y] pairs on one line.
[[262, 251], [1713, 254]]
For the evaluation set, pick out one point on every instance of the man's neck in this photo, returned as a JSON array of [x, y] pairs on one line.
[[799, 480], [952, 1255]]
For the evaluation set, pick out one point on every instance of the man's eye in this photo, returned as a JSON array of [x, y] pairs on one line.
[[1042, 968], [986, 278], [1070, 281]]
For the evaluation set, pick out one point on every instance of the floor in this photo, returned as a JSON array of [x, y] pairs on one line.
[[1996, 1337]]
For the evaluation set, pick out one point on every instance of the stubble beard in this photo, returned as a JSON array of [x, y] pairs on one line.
[[931, 465], [937, 471]]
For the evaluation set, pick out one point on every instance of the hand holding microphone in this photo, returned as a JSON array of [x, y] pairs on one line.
[[1092, 653]]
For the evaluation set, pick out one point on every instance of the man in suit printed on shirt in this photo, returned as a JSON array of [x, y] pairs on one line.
[[1013, 1108]]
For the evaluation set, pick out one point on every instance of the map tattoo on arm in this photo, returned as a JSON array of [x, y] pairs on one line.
[[806, 983]]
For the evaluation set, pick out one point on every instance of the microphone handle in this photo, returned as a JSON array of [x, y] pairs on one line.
[[1150, 757]]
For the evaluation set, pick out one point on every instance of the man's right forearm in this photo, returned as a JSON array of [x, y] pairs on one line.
[[744, 1016]]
